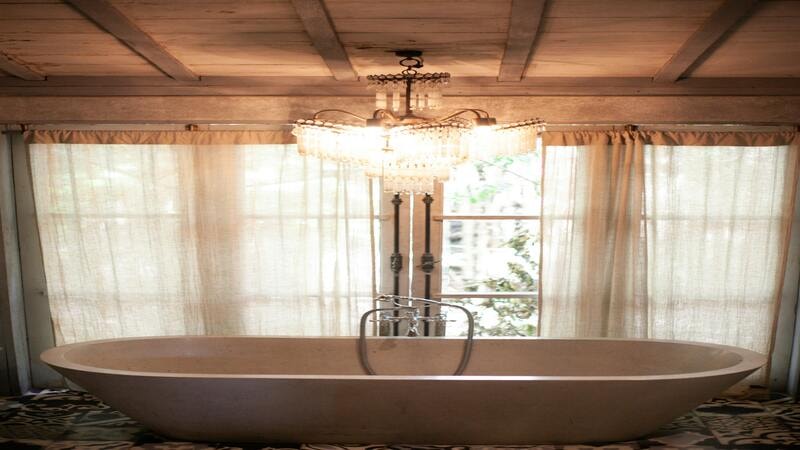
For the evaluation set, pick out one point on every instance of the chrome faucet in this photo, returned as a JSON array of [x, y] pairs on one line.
[[391, 315], [412, 318]]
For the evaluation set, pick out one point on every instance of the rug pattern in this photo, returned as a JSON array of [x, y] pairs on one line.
[[72, 420]]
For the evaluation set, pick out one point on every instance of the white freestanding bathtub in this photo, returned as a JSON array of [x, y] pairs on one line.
[[313, 390]]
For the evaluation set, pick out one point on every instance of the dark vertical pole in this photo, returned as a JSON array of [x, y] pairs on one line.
[[427, 258], [408, 97], [396, 260]]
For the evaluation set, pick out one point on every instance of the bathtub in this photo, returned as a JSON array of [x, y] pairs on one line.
[[313, 390]]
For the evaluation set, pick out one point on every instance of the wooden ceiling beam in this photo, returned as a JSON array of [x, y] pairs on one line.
[[287, 109], [526, 16], [123, 28], [702, 41], [319, 27], [17, 68], [459, 86]]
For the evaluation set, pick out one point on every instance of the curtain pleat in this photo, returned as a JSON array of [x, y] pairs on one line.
[[145, 137], [666, 235], [593, 267], [144, 240]]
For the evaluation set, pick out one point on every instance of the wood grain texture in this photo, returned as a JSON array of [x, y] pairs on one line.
[[287, 109], [632, 8], [17, 68], [417, 9], [206, 9], [320, 28], [326, 86], [120, 26], [710, 33], [526, 15], [251, 38], [766, 44]]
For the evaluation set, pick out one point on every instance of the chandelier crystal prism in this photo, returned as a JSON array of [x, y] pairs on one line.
[[409, 152]]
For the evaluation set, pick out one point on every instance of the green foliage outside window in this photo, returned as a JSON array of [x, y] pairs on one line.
[[503, 316]]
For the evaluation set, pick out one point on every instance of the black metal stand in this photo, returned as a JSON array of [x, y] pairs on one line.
[[427, 262], [396, 260]]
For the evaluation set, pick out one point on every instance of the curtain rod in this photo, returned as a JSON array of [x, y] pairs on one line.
[[278, 127]]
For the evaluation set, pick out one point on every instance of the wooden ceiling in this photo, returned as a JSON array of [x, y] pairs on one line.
[[325, 47]]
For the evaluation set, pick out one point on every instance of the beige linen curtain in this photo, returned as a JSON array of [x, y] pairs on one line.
[[666, 235], [594, 271], [149, 239]]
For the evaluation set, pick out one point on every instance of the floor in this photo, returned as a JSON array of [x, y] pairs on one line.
[[61, 420]]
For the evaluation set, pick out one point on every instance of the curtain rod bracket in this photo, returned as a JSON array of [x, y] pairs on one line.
[[192, 127]]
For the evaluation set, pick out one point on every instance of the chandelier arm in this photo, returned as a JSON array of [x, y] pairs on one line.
[[317, 114], [382, 113], [477, 113]]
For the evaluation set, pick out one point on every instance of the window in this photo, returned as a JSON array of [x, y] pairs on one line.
[[220, 239], [485, 227]]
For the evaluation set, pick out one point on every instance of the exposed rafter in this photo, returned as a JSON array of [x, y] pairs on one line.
[[319, 27], [713, 30], [17, 68], [123, 28], [526, 15]]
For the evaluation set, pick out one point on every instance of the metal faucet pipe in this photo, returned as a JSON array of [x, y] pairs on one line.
[[396, 308]]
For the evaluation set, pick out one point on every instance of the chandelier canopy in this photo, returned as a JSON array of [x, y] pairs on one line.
[[410, 152]]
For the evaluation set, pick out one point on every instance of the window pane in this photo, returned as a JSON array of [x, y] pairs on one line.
[[505, 185], [495, 316], [490, 255]]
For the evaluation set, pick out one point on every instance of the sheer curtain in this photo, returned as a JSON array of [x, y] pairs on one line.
[[594, 268], [200, 239], [666, 235]]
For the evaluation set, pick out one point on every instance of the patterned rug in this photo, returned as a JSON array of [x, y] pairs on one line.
[[61, 420]]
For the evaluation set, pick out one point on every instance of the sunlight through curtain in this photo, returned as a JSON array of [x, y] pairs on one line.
[[666, 235], [200, 239]]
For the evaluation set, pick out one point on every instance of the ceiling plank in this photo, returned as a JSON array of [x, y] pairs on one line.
[[526, 16], [123, 28], [326, 86], [17, 68], [319, 27], [712, 31]]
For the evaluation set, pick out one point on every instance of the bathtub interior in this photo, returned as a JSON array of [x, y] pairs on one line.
[[400, 356]]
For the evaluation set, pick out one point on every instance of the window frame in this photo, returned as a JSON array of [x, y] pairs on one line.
[[412, 225]]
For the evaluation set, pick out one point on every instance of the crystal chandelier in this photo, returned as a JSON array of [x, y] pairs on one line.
[[410, 152]]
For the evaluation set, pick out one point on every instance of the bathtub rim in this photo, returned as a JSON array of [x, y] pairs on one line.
[[750, 361]]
